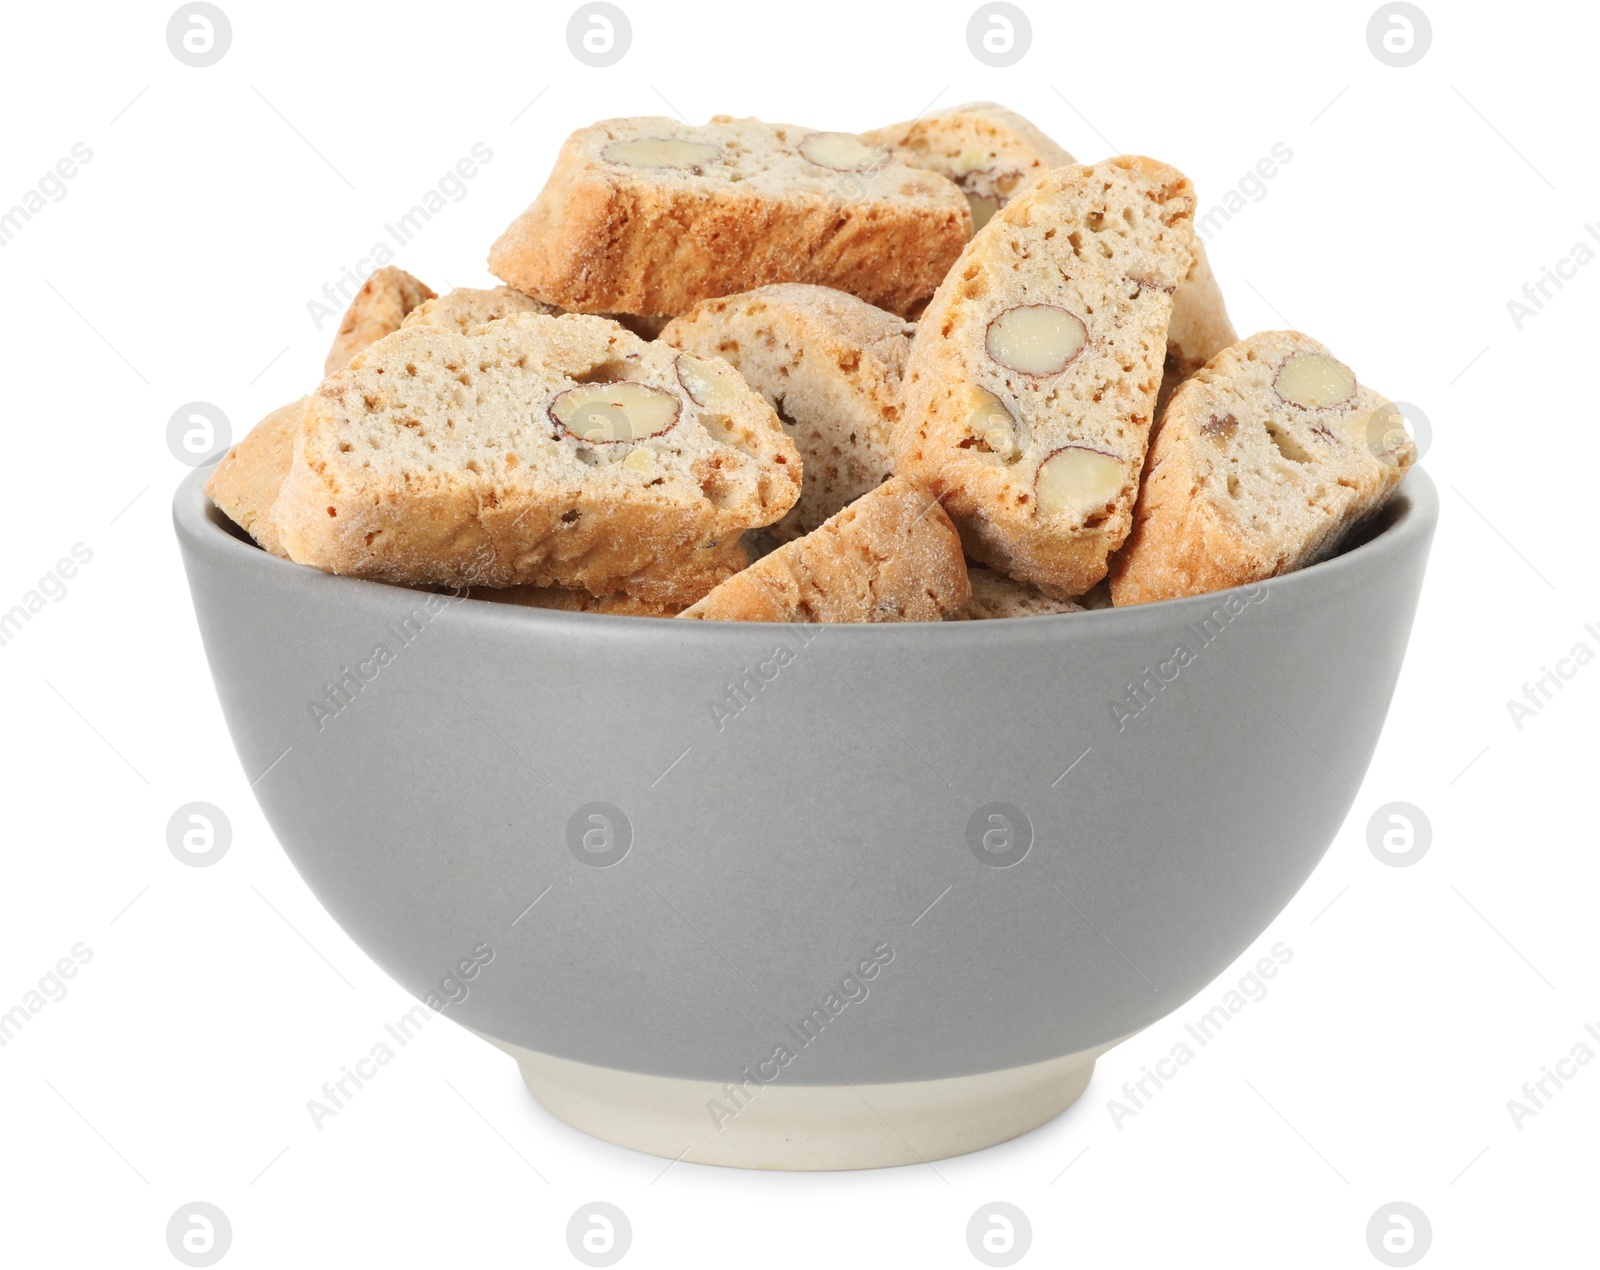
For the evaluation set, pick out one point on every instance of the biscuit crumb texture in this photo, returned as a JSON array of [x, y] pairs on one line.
[[533, 451], [994, 154], [830, 365], [652, 215], [891, 556], [1243, 484], [991, 153], [467, 308], [1031, 386]]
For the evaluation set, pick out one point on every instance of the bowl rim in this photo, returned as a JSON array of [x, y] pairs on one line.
[[1413, 513]]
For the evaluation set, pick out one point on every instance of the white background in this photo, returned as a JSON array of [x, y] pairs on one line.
[[178, 267]]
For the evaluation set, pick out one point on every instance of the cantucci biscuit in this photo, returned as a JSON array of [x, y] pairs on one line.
[[991, 153], [994, 596], [1032, 380], [830, 364], [652, 215], [535, 450], [891, 556], [994, 154], [246, 481], [378, 309], [468, 307], [662, 589], [1265, 458]]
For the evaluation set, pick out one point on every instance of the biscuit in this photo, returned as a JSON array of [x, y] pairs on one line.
[[891, 556], [661, 590], [830, 365], [246, 482], [991, 153], [1032, 381], [994, 596], [994, 154], [678, 581], [652, 216], [1265, 458], [380, 306], [536, 450], [469, 307]]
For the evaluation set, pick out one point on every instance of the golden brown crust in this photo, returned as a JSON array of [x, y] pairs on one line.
[[1241, 486], [433, 459], [1106, 244], [680, 580], [246, 482], [891, 556], [378, 310], [605, 236]]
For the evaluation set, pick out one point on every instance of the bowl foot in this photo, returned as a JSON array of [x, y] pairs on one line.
[[783, 1126]]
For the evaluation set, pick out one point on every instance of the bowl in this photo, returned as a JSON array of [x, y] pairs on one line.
[[804, 897]]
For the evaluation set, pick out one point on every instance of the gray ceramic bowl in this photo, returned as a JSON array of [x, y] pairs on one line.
[[804, 897]]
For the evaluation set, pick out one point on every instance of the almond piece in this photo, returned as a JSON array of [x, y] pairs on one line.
[[661, 152], [1036, 339], [701, 383], [842, 151], [983, 210], [608, 414], [1314, 381], [1079, 482], [994, 425]]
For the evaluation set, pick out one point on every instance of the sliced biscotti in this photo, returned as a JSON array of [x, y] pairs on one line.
[[544, 451], [830, 364], [1264, 459], [246, 481], [1032, 380], [994, 596], [991, 153], [653, 215], [891, 556], [378, 309], [469, 307], [994, 154]]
